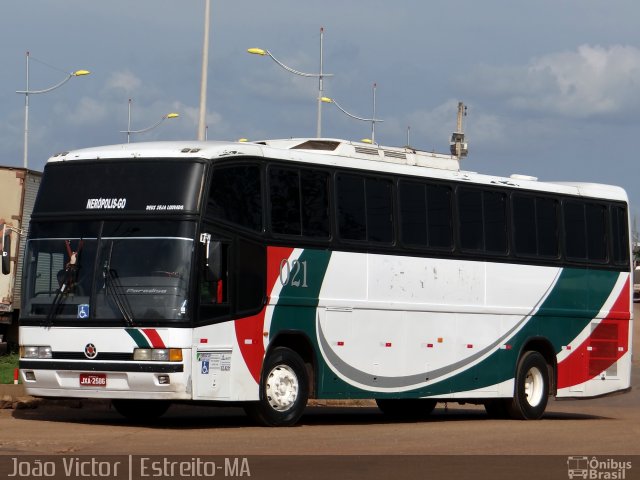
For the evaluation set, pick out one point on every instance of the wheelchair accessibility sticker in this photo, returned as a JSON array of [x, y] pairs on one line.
[[205, 367], [83, 311]]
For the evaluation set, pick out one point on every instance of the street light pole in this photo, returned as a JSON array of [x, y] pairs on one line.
[[27, 92], [129, 121], [320, 90], [205, 66], [373, 119], [128, 131], [26, 119], [320, 76]]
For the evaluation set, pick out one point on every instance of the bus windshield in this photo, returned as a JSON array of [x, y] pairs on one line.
[[128, 273]]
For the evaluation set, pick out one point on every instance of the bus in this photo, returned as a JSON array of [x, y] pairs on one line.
[[265, 274]]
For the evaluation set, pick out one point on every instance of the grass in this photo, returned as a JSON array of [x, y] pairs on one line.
[[8, 363]]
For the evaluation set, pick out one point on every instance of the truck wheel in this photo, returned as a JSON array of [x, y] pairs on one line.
[[141, 410], [284, 390], [531, 389]]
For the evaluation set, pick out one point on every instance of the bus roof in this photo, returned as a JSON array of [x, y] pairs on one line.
[[336, 152]]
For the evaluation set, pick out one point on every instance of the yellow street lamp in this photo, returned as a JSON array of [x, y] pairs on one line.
[[128, 131], [320, 76], [373, 120], [26, 92]]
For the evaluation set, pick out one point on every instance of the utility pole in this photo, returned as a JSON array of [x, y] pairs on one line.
[[202, 122]]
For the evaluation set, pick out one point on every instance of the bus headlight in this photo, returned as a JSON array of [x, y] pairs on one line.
[[158, 354], [35, 351]]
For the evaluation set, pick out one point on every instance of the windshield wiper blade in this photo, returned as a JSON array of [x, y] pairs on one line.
[[56, 303], [112, 283]]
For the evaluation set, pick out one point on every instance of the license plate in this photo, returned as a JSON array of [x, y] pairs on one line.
[[93, 380]]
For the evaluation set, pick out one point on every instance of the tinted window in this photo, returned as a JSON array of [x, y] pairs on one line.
[[425, 212], [299, 202], [314, 186], [364, 208], [524, 225], [575, 230], [535, 226], [596, 232], [547, 226], [439, 216], [482, 215], [585, 231], [351, 207], [495, 222], [284, 194], [413, 213], [620, 235], [236, 196], [470, 213], [379, 211]]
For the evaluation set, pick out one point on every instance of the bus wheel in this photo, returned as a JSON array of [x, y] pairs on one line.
[[141, 410], [531, 389], [406, 407], [284, 390]]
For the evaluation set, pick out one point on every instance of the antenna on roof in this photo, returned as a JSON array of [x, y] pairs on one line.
[[457, 145]]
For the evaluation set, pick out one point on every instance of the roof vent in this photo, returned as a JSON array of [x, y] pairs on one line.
[[367, 150], [400, 155]]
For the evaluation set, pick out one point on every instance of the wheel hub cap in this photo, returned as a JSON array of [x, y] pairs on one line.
[[534, 387], [282, 388]]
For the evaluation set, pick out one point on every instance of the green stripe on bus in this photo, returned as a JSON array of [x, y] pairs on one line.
[[575, 300], [297, 305], [138, 337]]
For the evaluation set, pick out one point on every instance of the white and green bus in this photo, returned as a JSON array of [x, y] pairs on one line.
[[264, 274]]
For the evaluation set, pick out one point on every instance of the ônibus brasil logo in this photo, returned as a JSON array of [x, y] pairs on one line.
[[596, 468]]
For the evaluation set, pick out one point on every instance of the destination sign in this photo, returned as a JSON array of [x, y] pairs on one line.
[[143, 186]]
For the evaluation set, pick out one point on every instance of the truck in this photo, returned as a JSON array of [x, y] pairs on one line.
[[18, 190]]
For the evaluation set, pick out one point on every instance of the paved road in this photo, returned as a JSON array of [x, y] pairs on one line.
[[606, 426]]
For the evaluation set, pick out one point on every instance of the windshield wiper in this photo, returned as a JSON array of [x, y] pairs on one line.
[[113, 285], [58, 299]]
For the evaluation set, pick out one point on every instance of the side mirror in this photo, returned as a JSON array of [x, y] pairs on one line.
[[6, 252]]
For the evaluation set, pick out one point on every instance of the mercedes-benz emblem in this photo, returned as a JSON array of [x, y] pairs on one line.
[[90, 351]]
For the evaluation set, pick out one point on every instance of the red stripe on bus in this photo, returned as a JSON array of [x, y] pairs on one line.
[[154, 338], [574, 369], [252, 327]]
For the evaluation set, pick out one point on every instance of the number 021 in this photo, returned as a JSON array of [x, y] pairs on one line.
[[294, 273]]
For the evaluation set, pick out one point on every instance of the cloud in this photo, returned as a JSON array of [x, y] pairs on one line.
[[124, 80], [590, 82], [88, 111]]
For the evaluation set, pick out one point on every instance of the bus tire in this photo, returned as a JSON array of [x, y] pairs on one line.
[[141, 410], [531, 388], [406, 407], [284, 390]]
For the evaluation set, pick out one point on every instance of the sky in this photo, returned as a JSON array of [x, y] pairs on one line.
[[552, 87]]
